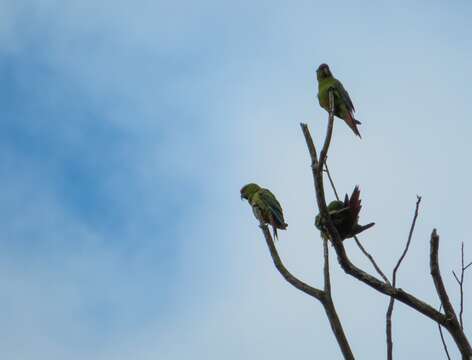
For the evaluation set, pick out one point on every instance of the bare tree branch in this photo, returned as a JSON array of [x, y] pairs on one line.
[[337, 328], [443, 340], [438, 282], [371, 259], [462, 287], [410, 234], [394, 283], [300, 285], [329, 132], [452, 324], [346, 264], [323, 296], [330, 310], [327, 281], [383, 287]]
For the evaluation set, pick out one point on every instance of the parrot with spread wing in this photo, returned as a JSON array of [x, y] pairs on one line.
[[265, 206], [345, 216], [343, 107]]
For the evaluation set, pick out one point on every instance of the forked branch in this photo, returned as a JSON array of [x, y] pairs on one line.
[[343, 259], [324, 296], [381, 286], [460, 282]]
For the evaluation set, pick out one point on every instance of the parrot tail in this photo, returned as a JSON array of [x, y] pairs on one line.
[[361, 228], [352, 123], [355, 202], [278, 226]]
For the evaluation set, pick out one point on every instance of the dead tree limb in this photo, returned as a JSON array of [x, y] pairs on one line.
[[343, 259], [300, 285], [327, 278], [452, 324], [394, 283], [383, 287]]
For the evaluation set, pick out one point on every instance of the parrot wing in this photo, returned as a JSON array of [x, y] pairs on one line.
[[344, 95], [273, 206]]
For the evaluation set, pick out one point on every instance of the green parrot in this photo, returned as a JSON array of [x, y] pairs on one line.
[[345, 216], [343, 107], [263, 202]]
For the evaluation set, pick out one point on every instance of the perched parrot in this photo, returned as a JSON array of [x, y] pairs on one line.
[[343, 107], [263, 202], [345, 216]]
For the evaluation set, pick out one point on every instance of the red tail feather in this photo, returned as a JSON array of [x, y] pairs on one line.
[[352, 123], [355, 202]]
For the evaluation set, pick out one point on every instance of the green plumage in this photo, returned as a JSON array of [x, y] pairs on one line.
[[265, 206], [343, 107], [345, 216]]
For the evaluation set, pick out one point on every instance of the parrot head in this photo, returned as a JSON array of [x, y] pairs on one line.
[[323, 72], [249, 190], [335, 205]]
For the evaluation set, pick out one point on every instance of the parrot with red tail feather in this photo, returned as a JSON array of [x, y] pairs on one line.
[[343, 107], [345, 216]]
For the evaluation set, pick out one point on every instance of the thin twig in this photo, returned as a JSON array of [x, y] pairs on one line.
[[394, 283], [462, 287], [442, 338], [460, 282], [364, 251], [331, 180], [410, 234], [371, 259]]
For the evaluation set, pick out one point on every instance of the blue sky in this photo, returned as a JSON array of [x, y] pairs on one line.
[[128, 129]]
